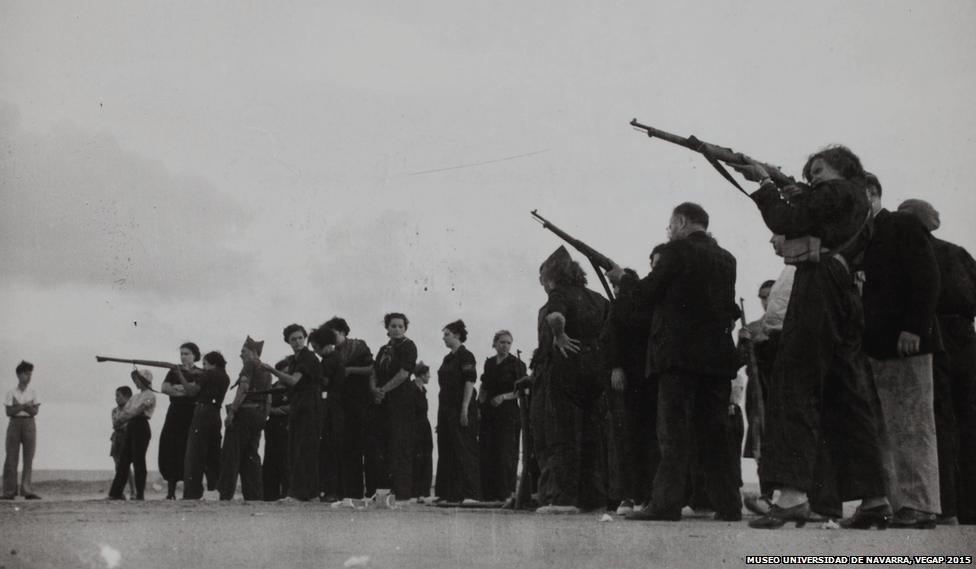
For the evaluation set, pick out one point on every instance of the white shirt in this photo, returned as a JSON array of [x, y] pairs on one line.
[[17, 397], [779, 299], [142, 403]]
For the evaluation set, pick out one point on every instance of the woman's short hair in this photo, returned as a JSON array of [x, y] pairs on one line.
[[194, 349], [838, 157], [322, 337], [394, 315], [24, 366], [571, 274], [124, 390], [420, 369], [499, 334], [338, 324], [292, 328], [458, 329], [216, 359]]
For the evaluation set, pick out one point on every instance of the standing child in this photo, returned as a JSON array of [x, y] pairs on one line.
[[423, 469], [122, 396]]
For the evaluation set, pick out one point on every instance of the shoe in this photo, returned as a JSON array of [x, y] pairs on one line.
[[328, 498], [907, 518], [625, 507], [757, 504], [728, 516], [8, 497], [31, 496], [112, 498], [648, 513], [170, 496], [866, 518], [470, 502], [552, 509], [777, 517], [946, 520]]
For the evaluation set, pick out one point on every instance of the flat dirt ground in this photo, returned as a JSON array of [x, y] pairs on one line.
[[70, 527]]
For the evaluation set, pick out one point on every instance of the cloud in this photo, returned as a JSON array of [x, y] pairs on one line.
[[80, 208]]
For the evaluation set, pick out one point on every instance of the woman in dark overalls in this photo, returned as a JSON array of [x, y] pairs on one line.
[[179, 414], [500, 426], [458, 474]]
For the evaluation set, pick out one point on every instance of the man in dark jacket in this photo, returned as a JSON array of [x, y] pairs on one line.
[[901, 289], [954, 371], [692, 292]]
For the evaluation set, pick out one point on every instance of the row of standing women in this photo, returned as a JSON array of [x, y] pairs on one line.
[[338, 423]]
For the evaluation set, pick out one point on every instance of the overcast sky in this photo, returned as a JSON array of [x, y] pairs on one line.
[[204, 172]]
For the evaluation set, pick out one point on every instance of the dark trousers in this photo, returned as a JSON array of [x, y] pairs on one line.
[[698, 497], [575, 469], [240, 455], [499, 447], [355, 403], [274, 470], [423, 461], [333, 471], [395, 440], [137, 435], [202, 452], [304, 432], [633, 428], [172, 440], [458, 473], [955, 417], [693, 410], [537, 430], [819, 354]]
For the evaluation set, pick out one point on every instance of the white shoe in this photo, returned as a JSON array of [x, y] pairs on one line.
[[625, 507], [470, 502]]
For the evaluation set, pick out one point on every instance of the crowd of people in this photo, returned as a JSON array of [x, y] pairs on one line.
[[338, 423], [861, 385]]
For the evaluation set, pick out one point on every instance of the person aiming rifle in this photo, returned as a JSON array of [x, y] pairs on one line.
[[597, 259]]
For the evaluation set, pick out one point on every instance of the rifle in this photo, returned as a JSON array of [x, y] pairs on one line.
[[715, 154], [597, 259], [754, 390], [148, 363], [523, 487]]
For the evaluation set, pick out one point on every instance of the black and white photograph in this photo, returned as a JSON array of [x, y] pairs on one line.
[[487, 284]]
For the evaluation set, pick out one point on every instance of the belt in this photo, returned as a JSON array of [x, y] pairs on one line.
[[21, 417], [213, 404]]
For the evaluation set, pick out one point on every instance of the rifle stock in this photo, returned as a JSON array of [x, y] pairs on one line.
[[720, 153]]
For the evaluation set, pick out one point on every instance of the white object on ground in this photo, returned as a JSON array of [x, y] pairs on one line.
[[606, 518], [357, 561], [111, 556]]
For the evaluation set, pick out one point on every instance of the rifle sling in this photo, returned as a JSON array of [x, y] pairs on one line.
[[702, 148], [603, 279]]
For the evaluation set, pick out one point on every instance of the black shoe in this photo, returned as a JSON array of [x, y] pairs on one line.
[[908, 518], [728, 516], [649, 513], [777, 517], [8, 497], [31, 496], [866, 518]]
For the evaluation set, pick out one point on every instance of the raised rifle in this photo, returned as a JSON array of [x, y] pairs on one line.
[[597, 259], [754, 390], [715, 154], [147, 363]]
